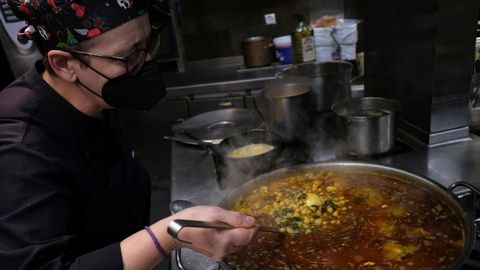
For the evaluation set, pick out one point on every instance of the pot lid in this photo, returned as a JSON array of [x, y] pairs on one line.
[[217, 125]]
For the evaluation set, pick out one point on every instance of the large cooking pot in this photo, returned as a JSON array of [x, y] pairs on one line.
[[330, 81], [287, 109], [417, 182], [367, 125]]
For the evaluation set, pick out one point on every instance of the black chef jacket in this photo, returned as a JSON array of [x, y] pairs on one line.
[[70, 188]]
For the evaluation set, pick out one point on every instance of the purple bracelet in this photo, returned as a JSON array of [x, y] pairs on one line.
[[157, 244]]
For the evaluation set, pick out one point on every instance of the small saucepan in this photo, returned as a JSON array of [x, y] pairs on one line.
[[258, 51], [367, 126], [240, 156], [245, 155], [330, 81], [287, 109]]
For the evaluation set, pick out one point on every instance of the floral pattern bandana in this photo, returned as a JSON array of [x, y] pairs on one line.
[[62, 23]]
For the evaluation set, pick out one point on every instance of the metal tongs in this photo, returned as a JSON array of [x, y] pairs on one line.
[[177, 225]]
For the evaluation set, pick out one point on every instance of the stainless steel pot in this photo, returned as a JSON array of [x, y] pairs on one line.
[[233, 171], [366, 126], [330, 81], [447, 196], [258, 51], [287, 110]]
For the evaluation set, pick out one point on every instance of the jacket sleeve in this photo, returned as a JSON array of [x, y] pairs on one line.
[[36, 215]]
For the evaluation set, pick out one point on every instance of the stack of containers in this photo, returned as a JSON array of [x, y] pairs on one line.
[[336, 42]]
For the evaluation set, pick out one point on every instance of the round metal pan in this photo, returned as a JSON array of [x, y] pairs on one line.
[[360, 167], [214, 126]]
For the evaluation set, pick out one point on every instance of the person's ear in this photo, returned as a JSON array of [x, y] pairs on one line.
[[63, 65]]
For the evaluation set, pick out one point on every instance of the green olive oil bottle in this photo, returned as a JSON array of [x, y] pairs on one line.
[[303, 42]]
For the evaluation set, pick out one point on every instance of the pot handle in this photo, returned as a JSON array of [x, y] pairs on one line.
[[178, 259], [186, 141], [464, 184], [221, 265], [268, 46], [471, 188]]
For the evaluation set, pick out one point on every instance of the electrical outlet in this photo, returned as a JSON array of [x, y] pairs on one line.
[[270, 18]]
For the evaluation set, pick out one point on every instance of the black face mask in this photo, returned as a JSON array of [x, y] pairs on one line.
[[140, 92]]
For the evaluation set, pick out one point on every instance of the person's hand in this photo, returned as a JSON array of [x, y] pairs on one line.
[[216, 243]]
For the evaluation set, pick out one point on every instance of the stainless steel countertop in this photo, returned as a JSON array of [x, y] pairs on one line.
[[218, 80], [194, 179], [224, 79]]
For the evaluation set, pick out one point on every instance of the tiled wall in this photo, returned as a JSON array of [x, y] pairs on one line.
[[216, 28]]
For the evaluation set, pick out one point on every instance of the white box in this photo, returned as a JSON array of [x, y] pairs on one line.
[[324, 53], [348, 51], [345, 32]]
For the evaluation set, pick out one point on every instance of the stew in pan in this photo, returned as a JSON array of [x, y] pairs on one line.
[[337, 220]]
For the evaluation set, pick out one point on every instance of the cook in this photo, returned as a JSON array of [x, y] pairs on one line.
[[72, 193]]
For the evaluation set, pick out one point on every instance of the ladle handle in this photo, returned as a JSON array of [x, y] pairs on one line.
[[177, 225], [175, 207], [181, 140], [208, 146]]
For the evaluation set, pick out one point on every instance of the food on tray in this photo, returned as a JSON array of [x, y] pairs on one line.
[[337, 220], [325, 21]]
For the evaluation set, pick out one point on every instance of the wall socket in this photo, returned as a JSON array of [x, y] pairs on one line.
[[270, 19]]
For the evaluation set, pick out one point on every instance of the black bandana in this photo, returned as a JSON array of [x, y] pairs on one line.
[[63, 23]]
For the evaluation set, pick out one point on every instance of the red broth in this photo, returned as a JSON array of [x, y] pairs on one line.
[[349, 221]]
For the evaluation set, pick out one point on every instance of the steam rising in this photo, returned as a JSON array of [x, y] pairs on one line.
[[232, 172], [314, 143], [299, 135]]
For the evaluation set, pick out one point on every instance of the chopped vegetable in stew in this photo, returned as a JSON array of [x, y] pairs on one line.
[[349, 221]]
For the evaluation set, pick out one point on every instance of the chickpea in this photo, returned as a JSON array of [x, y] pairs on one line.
[[331, 188]]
